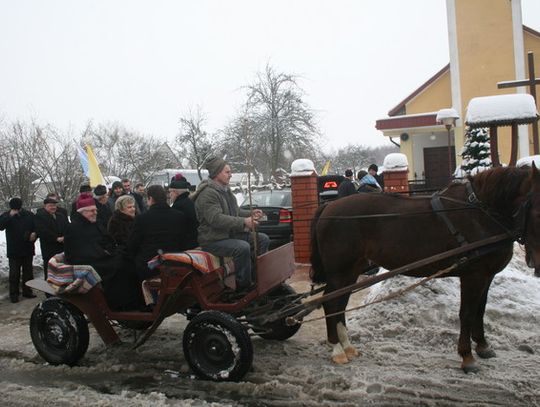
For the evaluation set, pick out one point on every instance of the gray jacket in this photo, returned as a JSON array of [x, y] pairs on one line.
[[216, 220]]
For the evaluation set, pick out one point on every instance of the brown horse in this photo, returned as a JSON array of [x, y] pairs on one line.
[[391, 231]]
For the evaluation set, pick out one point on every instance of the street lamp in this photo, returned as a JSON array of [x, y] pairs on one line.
[[448, 117]]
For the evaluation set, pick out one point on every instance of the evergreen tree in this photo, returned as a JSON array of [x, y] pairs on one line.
[[476, 152]]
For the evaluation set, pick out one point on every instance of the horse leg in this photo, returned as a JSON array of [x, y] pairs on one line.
[[336, 329], [350, 351], [471, 285], [482, 347]]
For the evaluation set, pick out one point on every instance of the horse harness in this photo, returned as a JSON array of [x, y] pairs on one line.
[[520, 216]]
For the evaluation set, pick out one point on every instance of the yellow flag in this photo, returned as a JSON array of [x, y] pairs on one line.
[[94, 172], [326, 168]]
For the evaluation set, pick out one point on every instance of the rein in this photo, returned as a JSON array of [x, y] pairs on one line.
[[472, 202]]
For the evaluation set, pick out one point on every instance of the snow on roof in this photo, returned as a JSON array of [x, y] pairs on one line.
[[501, 110], [449, 113], [395, 162]]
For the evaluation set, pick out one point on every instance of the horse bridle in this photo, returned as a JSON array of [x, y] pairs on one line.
[[521, 216]]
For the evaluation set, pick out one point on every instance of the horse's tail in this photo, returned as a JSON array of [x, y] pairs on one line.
[[317, 271]]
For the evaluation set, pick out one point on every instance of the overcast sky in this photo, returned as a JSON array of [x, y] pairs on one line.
[[142, 63]]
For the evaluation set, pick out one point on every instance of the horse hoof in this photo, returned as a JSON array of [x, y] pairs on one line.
[[472, 368], [351, 352], [340, 359], [486, 353]]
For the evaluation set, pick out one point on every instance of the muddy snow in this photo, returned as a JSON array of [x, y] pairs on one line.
[[408, 357]]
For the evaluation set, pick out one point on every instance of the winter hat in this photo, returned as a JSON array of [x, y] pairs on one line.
[[373, 167], [215, 166], [179, 182], [49, 201], [15, 203], [100, 190], [85, 188], [348, 173], [85, 201]]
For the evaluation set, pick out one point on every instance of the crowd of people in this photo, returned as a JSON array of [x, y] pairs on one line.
[[366, 181], [117, 231]]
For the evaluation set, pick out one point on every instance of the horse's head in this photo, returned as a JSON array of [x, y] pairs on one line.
[[529, 222]]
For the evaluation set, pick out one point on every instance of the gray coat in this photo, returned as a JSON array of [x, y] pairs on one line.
[[216, 220]]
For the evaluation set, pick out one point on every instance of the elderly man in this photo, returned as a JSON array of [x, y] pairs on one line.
[[20, 237], [225, 229], [51, 226], [160, 227], [179, 194], [87, 242]]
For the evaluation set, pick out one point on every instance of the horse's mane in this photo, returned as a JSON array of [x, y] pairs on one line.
[[498, 187]]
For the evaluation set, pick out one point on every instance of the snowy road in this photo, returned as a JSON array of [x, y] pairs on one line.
[[408, 348]]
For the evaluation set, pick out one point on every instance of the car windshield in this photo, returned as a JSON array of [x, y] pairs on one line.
[[281, 198]]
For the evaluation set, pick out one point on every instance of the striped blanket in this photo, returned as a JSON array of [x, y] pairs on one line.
[[65, 278], [204, 262], [199, 260]]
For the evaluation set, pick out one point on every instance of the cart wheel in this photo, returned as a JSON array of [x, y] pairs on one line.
[[278, 330], [217, 347], [59, 332]]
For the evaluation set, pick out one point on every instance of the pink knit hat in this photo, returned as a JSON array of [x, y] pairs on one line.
[[85, 201]]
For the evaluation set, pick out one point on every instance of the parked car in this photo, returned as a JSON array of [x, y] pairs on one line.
[[278, 217], [327, 186]]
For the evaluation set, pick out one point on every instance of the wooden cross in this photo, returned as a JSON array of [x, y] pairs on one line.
[[531, 82]]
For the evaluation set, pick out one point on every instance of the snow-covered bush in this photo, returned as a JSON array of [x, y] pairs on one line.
[[476, 152]]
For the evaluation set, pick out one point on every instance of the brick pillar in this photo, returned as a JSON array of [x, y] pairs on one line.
[[396, 181], [305, 200]]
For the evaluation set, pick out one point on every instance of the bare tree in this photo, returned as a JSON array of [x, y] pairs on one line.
[[194, 143], [357, 156], [284, 123], [19, 150], [128, 154], [57, 165]]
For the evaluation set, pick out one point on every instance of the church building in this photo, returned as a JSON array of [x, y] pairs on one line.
[[488, 44]]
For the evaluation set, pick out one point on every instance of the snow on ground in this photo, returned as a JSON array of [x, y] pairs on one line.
[[407, 345]]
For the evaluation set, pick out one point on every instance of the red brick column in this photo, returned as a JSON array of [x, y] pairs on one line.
[[396, 181], [305, 201]]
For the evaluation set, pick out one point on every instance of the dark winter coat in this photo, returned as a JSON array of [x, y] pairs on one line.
[[112, 201], [104, 213], [49, 228], [380, 180], [346, 188], [184, 204], [139, 202], [160, 227], [119, 227], [18, 229], [89, 243]]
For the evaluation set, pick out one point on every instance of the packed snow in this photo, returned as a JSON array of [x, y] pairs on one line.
[[395, 162], [527, 161], [501, 108], [301, 166], [407, 344]]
